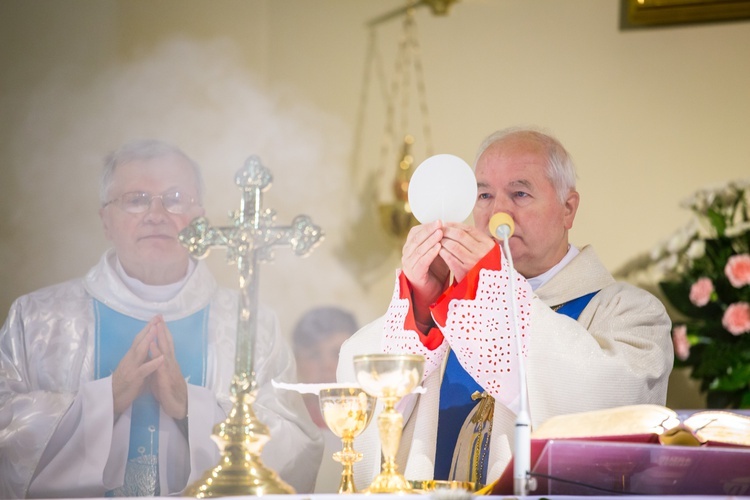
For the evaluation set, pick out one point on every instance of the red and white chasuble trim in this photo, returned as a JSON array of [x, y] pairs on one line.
[[475, 318]]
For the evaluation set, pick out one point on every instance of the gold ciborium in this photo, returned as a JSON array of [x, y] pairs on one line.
[[389, 377], [346, 411]]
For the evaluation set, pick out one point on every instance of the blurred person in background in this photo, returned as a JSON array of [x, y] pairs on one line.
[[317, 339]]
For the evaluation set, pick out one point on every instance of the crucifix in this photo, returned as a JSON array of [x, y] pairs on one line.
[[249, 241]]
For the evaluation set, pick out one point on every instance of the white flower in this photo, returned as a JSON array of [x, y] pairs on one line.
[[700, 227], [726, 192], [696, 250], [692, 228], [667, 264], [654, 275], [658, 251], [697, 201], [738, 229], [728, 195], [680, 239]]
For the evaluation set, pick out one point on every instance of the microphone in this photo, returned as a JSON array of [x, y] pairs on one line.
[[502, 226]]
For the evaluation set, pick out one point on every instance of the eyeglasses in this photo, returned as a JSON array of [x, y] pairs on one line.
[[138, 202]]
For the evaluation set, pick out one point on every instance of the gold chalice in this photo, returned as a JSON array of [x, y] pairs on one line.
[[389, 377], [346, 411]]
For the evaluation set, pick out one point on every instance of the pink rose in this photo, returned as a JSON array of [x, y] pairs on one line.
[[700, 292], [681, 342], [738, 270], [737, 318]]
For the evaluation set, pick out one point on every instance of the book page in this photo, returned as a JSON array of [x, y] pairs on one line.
[[720, 427], [620, 421]]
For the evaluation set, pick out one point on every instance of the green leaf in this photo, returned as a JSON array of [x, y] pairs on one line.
[[678, 295], [718, 251], [723, 399], [717, 221], [717, 360], [734, 380]]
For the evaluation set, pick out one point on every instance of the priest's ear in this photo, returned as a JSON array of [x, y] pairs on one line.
[[571, 207], [105, 217]]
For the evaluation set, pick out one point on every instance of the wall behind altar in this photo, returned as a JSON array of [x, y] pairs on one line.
[[649, 116]]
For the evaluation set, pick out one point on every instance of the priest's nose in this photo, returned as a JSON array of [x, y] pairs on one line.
[[156, 209]]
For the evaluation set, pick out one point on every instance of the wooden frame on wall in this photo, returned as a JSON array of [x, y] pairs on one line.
[[659, 13]]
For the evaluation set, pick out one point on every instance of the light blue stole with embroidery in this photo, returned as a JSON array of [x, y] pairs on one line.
[[114, 336]]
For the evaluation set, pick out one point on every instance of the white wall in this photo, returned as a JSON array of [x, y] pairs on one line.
[[648, 115]]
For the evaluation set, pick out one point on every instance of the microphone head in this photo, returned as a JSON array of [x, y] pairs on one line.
[[501, 226]]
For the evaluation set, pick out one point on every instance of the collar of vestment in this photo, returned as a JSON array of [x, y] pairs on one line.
[[543, 278], [584, 274], [104, 283], [153, 293]]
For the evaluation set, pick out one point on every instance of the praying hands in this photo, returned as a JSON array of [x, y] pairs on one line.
[[151, 360]]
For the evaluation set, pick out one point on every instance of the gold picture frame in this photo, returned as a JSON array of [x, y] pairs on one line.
[[656, 13]]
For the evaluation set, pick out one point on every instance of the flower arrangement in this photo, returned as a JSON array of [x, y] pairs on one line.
[[703, 271]]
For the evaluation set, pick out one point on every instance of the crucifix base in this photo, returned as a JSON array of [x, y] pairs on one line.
[[240, 471]]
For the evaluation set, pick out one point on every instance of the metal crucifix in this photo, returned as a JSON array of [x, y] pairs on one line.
[[249, 241]]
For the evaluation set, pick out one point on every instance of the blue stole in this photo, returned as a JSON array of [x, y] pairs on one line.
[[455, 405], [114, 337]]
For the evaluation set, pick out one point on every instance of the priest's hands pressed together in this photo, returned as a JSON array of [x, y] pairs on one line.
[[167, 383], [151, 360]]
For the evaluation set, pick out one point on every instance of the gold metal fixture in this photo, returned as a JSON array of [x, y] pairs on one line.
[[431, 485], [397, 217], [347, 411], [438, 7], [389, 377], [249, 240], [365, 249], [636, 14], [395, 214]]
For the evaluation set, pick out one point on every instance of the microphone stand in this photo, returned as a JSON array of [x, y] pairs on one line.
[[522, 452]]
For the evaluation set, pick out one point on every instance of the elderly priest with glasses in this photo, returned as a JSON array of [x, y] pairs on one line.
[[110, 384]]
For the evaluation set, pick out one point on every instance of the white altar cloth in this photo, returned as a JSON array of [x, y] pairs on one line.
[[453, 495]]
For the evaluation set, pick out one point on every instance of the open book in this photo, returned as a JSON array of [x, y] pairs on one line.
[[597, 437], [650, 423]]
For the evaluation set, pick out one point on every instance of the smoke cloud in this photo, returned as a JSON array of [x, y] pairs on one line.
[[198, 96]]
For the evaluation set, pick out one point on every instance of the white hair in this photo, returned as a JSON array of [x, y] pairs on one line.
[[560, 169], [143, 149]]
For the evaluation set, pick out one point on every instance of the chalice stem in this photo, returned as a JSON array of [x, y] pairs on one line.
[[347, 457], [347, 480], [389, 377], [390, 425]]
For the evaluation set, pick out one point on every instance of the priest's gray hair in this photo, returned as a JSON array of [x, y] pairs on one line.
[[560, 169], [143, 149]]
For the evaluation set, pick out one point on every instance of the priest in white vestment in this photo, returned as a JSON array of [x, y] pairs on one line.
[[588, 341], [110, 384]]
